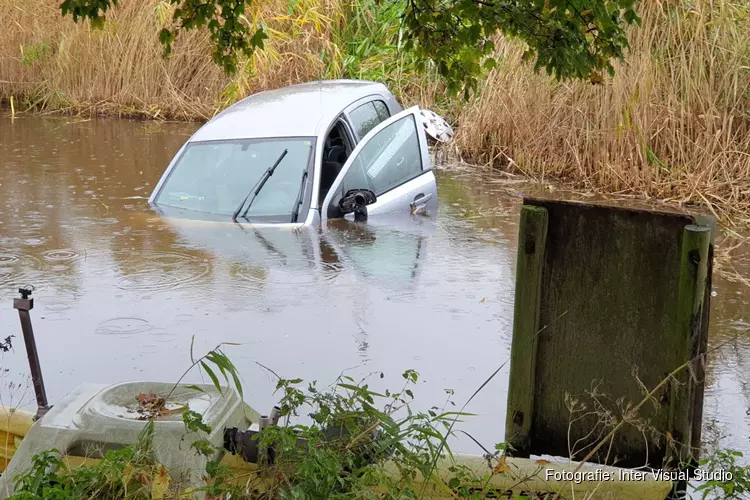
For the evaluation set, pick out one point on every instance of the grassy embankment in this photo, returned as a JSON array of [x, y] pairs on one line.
[[673, 124]]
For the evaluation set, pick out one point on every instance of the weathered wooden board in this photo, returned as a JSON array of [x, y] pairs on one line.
[[608, 300]]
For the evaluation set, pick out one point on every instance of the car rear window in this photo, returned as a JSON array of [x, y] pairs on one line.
[[368, 116]]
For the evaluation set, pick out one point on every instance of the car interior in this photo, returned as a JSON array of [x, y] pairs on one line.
[[336, 150]]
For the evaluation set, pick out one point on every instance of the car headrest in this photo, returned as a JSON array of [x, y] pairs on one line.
[[337, 154]]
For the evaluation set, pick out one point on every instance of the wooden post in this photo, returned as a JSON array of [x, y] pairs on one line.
[[700, 347], [694, 263], [532, 238]]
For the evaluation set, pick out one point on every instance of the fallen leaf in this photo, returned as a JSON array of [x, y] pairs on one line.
[[141, 476], [150, 406], [502, 466], [149, 399], [542, 461], [160, 483], [127, 472]]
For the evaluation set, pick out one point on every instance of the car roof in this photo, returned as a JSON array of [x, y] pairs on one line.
[[294, 111]]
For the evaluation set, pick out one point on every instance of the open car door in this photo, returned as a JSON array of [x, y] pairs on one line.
[[393, 162]]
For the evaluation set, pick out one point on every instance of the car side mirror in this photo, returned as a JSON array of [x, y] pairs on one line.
[[356, 200]]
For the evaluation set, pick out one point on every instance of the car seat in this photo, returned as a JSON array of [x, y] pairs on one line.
[[333, 161]]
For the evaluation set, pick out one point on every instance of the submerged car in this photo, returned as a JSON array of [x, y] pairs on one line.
[[302, 154]]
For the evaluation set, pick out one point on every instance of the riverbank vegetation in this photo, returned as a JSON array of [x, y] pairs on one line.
[[343, 456], [360, 443], [672, 123]]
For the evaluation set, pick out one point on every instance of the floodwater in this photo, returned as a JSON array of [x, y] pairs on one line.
[[120, 292]]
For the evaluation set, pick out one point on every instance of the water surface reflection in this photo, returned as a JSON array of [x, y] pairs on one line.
[[120, 291]]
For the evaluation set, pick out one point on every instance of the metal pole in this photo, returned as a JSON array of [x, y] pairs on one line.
[[24, 305]]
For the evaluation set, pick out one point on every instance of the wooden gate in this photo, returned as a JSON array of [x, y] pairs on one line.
[[609, 302]]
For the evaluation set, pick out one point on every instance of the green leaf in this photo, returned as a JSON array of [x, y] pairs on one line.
[[212, 375], [204, 447], [349, 387], [234, 373], [217, 359], [194, 422], [165, 37], [258, 37]]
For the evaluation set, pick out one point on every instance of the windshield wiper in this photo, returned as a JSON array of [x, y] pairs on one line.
[[300, 197], [255, 190]]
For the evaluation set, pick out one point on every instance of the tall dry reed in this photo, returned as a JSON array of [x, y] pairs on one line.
[[672, 124], [54, 63]]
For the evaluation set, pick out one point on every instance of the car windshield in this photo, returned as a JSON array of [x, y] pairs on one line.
[[216, 176]]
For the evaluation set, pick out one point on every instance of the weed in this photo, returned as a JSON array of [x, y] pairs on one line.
[[728, 479], [355, 431], [33, 53], [361, 444]]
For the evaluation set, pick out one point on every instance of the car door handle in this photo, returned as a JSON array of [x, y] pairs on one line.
[[420, 199]]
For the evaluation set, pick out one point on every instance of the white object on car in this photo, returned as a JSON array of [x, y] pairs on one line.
[[436, 126]]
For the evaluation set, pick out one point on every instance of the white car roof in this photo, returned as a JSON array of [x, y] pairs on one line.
[[295, 111]]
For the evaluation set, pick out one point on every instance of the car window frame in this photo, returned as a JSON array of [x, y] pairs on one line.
[[351, 134], [351, 140], [414, 111]]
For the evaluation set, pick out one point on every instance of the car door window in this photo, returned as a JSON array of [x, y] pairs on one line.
[[367, 116], [390, 158]]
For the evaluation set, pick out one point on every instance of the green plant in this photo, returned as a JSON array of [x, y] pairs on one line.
[[354, 431], [129, 472], [569, 38], [33, 53], [721, 476], [359, 444], [370, 41], [727, 478]]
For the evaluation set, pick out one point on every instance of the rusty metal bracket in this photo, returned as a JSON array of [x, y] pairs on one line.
[[24, 305]]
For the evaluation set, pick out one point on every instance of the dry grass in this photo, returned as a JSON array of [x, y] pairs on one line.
[[53, 63], [672, 124]]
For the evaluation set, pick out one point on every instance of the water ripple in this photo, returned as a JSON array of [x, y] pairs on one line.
[[7, 259], [162, 271], [60, 255], [123, 326]]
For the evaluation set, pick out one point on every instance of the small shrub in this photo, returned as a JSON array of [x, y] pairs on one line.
[[729, 479], [33, 53]]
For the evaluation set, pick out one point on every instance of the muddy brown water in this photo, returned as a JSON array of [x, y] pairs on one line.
[[120, 292]]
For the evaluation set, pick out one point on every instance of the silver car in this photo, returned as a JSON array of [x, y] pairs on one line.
[[299, 155]]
